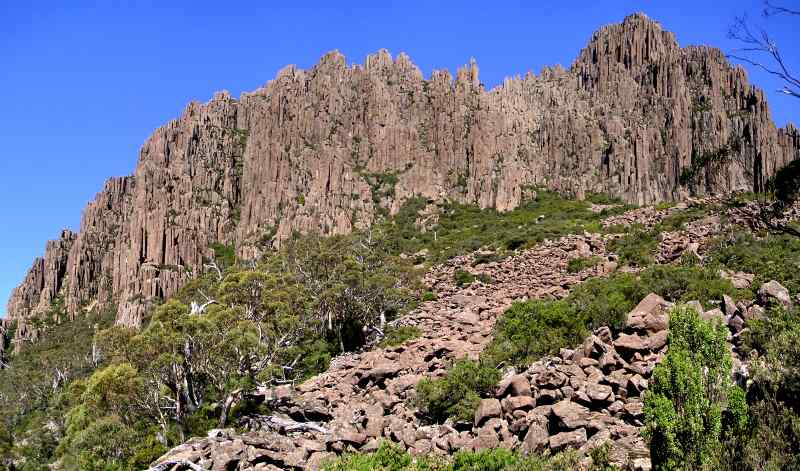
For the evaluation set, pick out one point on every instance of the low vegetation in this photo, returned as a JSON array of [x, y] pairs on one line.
[[579, 264], [462, 229], [771, 257], [458, 394], [391, 458]]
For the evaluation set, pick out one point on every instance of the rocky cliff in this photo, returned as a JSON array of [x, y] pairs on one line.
[[331, 148]]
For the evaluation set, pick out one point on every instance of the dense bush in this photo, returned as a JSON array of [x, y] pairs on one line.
[[463, 277], [773, 257], [636, 248], [686, 283], [462, 228], [399, 335], [691, 405], [606, 301], [576, 265], [532, 329], [458, 393], [391, 458]]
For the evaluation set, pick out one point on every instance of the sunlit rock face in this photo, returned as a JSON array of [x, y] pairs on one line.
[[328, 149]]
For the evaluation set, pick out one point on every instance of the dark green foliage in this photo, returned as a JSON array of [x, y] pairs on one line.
[[530, 330], [772, 439], [606, 301], [686, 283], [461, 228], [27, 399], [690, 393], [678, 219], [399, 335], [390, 457], [463, 277], [636, 248], [429, 296], [279, 320], [701, 162], [786, 184], [457, 394], [576, 265], [225, 255], [773, 257], [603, 198], [485, 257]]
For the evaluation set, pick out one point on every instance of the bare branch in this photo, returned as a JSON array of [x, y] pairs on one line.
[[773, 10], [761, 44], [165, 465], [215, 267]]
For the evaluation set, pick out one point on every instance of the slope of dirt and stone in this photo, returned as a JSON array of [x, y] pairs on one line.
[[331, 148], [578, 399]]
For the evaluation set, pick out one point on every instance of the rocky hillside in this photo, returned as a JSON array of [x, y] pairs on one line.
[[579, 399], [332, 148]]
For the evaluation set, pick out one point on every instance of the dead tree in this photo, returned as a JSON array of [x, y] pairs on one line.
[[760, 50]]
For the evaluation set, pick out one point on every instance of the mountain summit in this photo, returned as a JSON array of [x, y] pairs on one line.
[[331, 148]]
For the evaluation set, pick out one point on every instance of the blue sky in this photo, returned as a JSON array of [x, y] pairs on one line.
[[82, 84]]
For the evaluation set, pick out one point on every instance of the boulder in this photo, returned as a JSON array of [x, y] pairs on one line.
[[736, 324], [486, 439], [714, 315], [599, 392], [729, 306], [519, 386], [572, 439], [771, 292], [648, 315], [513, 403], [535, 440], [488, 408], [631, 343], [571, 415]]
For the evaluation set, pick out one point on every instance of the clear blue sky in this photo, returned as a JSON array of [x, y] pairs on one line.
[[82, 84]]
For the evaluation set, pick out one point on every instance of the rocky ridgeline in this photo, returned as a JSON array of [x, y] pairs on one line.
[[329, 148]]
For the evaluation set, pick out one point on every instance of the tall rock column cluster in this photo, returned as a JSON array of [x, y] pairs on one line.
[[332, 148]]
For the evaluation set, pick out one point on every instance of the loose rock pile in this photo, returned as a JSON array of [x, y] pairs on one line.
[[578, 399]]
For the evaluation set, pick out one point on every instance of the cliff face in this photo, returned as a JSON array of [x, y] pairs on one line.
[[330, 148]]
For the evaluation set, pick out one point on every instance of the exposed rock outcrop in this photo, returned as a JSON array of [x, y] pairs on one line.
[[330, 148]]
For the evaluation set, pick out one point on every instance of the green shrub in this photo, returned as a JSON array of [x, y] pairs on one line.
[[463, 277], [396, 336], [390, 457], [606, 301], [527, 331], [224, 255], [532, 329], [576, 265], [686, 283], [458, 393], [678, 219], [773, 257], [464, 228], [635, 248], [429, 296], [486, 258], [485, 278], [690, 392]]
